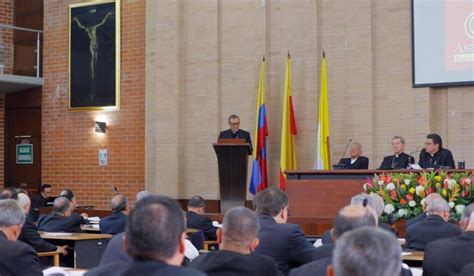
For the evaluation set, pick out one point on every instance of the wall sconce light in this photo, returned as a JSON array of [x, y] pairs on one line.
[[100, 127]]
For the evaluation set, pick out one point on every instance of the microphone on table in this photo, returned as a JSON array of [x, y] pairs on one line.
[[409, 154], [345, 150]]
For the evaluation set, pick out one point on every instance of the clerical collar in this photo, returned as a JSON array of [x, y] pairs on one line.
[[396, 155]]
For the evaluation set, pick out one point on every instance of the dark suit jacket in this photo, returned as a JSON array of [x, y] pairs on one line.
[[114, 251], [324, 251], [449, 256], [431, 229], [400, 162], [467, 270], [37, 201], [57, 223], [362, 163], [29, 234], [410, 222], [17, 258], [197, 221], [113, 224], [142, 267], [285, 243], [316, 268], [240, 134], [327, 239], [230, 263], [443, 157]]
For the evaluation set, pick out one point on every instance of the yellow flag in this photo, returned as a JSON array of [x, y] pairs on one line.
[[288, 129], [322, 161]]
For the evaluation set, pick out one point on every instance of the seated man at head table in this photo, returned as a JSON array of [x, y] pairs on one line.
[[237, 242], [356, 161], [116, 222], [434, 227], [16, 258], [434, 155], [59, 219], [399, 159], [449, 256], [155, 239]]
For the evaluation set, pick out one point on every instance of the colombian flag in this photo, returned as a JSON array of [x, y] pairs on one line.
[[259, 180], [288, 129]]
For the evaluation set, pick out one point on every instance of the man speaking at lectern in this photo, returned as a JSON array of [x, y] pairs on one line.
[[234, 132]]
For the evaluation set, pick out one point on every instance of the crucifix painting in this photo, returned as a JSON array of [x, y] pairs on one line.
[[94, 55]]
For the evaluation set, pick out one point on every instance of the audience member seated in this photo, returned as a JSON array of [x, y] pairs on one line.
[[16, 258], [237, 242], [449, 256], [379, 208], [428, 199], [29, 232], [348, 218], [154, 238], [9, 193], [196, 219], [141, 195], [282, 241], [433, 228], [59, 220], [38, 201], [356, 161], [366, 251], [116, 222], [374, 202], [75, 217], [114, 251]]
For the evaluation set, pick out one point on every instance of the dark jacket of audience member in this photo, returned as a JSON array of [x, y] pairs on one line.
[[18, 258], [448, 256], [29, 234], [286, 243], [431, 229], [203, 223], [410, 222], [223, 262], [114, 251], [113, 224], [58, 223], [467, 270]]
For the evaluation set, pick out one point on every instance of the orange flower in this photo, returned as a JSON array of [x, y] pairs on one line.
[[403, 202]]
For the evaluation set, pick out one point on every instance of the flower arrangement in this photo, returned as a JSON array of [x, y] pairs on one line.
[[404, 193]]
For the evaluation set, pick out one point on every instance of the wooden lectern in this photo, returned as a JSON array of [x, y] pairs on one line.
[[232, 158]]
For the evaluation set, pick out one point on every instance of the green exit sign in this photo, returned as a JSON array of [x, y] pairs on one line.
[[24, 154]]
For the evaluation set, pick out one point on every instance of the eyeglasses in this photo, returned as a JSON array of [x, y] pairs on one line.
[[428, 143], [235, 124]]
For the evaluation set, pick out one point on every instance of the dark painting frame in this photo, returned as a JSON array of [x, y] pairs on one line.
[[94, 55]]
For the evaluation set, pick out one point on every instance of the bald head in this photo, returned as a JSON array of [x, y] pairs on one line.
[[352, 217], [24, 202], [429, 198], [61, 206], [119, 203], [240, 227]]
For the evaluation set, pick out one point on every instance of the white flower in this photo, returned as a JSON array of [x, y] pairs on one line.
[[402, 212], [422, 202], [419, 189], [407, 181], [460, 208], [380, 182], [411, 203], [389, 209], [365, 186], [468, 181], [451, 205], [390, 186], [451, 184]]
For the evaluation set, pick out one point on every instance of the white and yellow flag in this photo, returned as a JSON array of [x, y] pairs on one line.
[[322, 159]]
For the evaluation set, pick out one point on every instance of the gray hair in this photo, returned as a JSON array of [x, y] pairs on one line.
[[23, 200], [119, 203], [154, 228], [438, 205], [402, 140], [361, 198], [196, 202], [142, 194], [11, 213], [356, 144], [367, 251], [379, 204], [352, 217], [240, 226], [466, 213], [61, 205], [270, 201]]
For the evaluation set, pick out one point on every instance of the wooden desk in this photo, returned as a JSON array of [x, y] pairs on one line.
[[88, 248], [414, 256]]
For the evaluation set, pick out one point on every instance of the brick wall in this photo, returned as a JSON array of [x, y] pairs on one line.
[[6, 43], [70, 146]]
